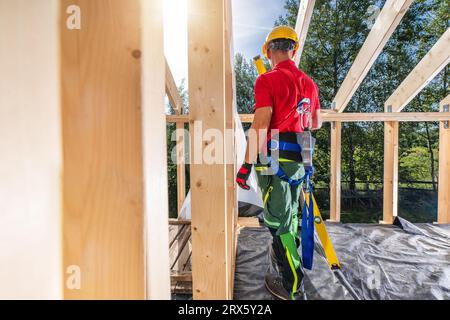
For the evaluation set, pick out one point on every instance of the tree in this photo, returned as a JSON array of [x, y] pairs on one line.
[[172, 166], [246, 75], [337, 31]]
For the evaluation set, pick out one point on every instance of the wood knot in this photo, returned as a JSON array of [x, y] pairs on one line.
[[136, 54]]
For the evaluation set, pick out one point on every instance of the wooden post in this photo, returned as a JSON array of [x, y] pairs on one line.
[[444, 167], [390, 186], [115, 183], [156, 198], [209, 190], [181, 166], [30, 148], [230, 114], [335, 178]]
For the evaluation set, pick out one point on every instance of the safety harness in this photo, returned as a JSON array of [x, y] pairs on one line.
[[307, 230]]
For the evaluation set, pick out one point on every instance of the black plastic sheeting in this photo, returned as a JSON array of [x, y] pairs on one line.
[[388, 262]]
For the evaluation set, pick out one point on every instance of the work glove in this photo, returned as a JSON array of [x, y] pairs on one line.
[[243, 175]]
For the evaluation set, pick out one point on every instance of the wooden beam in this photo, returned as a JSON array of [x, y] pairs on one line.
[[335, 177], [207, 83], [114, 140], [181, 166], [230, 147], [172, 91], [30, 144], [177, 222], [433, 62], [328, 116], [154, 135], [444, 167], [249, 222], [385, 25], [390, 186], [182, 276], [386, 116], [177, 118], [304, 16]]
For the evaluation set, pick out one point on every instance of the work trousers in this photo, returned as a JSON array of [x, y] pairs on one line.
[[281, 210]]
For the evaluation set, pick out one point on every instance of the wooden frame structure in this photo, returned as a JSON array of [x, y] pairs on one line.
[[101, 127], [211, 101]]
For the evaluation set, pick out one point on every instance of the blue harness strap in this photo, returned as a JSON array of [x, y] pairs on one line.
[[284, 146], [307, 233], [280, 174]]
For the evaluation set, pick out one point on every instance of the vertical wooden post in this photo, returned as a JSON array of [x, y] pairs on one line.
[[335, 179], [156, 198], [181, 166], [209, 191], [115, 183], [30, 151], [390, 185], [444, 167], [230, 114]]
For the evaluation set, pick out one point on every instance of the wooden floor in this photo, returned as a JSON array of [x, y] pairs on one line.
[[180, 256]]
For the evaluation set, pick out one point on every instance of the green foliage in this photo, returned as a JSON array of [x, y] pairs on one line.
[[171, 165], [415, 164], [246, 75]]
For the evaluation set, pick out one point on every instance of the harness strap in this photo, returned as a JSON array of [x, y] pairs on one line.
[[282, 175], [307, 233], [284, 146]]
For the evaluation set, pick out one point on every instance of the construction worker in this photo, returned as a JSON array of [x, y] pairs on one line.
[[278, 94]]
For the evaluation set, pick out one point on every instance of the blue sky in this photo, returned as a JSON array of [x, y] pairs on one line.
[[252, 21]]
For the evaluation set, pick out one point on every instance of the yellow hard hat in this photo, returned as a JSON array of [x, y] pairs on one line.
[[281, 32]]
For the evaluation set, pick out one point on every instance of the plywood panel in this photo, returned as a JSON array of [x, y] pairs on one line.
[[30, 151], [103, 155]]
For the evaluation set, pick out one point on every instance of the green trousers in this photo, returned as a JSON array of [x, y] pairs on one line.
[[281, 208]]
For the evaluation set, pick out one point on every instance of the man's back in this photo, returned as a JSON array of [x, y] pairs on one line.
[[282, 89]]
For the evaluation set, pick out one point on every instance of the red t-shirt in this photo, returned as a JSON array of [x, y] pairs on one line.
[[282, 89]]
